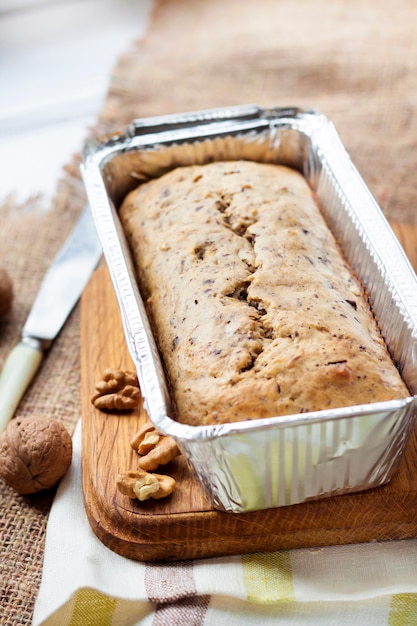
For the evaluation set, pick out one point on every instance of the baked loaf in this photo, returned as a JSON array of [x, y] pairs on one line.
[[255, 310]]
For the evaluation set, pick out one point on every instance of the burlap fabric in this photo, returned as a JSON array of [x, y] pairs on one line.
[[355, 61]]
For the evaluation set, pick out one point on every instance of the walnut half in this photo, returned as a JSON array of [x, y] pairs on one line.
[[143, 486], [118, 390], [154, 448]]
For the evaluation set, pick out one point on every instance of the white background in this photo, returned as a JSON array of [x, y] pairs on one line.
[[56, 58]]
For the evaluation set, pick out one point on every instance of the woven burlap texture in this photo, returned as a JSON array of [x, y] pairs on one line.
[[354, 61]]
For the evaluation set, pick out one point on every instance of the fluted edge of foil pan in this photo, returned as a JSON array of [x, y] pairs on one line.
[[279, 461]]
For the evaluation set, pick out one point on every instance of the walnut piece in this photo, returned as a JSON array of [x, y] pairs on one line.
[[35, 452], [149, 442], [154, 448], [143, 486], [117, 390], [6, 292]]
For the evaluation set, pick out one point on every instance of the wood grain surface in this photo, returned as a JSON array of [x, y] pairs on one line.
[[185, 525]]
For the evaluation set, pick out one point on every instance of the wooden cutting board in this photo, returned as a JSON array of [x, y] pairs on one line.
[[185, 526]]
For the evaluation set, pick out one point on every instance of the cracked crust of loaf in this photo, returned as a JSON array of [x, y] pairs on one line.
[[255, 310]]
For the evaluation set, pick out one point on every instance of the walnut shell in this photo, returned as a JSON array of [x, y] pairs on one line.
[[35, 452], [6, 292]]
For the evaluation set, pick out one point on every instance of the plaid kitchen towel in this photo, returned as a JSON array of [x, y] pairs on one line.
[[86, 584]]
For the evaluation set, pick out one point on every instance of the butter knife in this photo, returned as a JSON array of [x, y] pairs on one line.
[[60, 290]]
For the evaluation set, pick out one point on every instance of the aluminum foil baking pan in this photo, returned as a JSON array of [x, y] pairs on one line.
[[283, 460]]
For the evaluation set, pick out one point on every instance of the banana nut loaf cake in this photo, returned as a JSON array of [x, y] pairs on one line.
[[254, 308]]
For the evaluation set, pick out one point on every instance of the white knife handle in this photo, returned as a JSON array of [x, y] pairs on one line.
[[18, 370]]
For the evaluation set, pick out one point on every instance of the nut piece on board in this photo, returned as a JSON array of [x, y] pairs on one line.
[[117, 390], [6, 293], [35, 452], [141, 485], [138, 441], [154, 448]]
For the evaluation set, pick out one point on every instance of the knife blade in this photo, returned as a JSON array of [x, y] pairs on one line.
[[60, 290]]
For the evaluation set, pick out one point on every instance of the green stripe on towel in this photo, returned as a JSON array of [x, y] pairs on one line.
[[268, 577], [92, 608], [403, 609]]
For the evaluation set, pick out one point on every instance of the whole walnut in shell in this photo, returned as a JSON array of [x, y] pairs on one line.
[[35, 452], [6, 292]]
